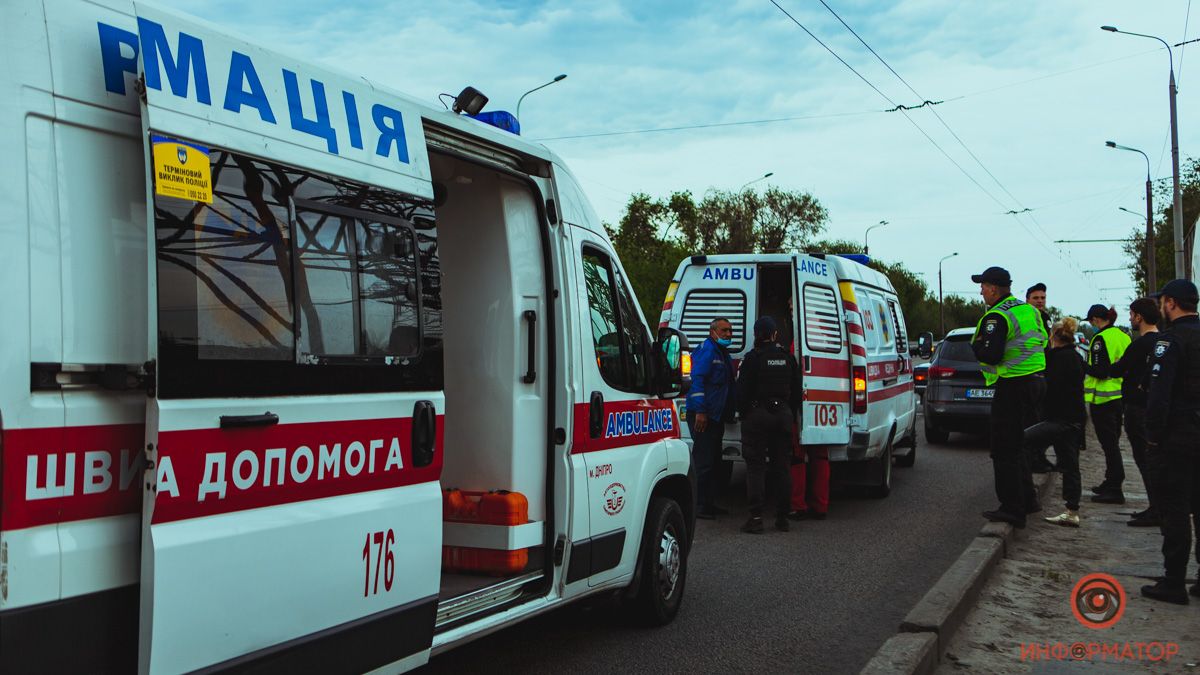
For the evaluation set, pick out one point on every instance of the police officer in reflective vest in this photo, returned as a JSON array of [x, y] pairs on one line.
[[1010, 343], [768, 395], [1173, 432], [1102, 391]]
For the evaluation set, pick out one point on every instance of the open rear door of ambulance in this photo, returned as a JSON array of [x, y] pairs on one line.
[[824, 355], [292, 515]]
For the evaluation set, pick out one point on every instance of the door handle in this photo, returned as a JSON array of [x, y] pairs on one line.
[[531, 372], [424, 433], [807, 364], [241, 421], [596, 415]]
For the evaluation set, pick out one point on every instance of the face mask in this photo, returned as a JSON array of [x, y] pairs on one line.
[[724, 342]]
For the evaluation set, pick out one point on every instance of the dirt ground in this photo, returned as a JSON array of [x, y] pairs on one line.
[[1027, 599]]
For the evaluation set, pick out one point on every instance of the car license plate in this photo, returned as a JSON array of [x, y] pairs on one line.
[[981, 393]]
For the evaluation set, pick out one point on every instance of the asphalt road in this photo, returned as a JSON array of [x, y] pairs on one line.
[[821, 598]]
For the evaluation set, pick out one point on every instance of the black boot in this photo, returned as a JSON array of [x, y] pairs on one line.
[[781, 524], [754, 525], [1167, 591]]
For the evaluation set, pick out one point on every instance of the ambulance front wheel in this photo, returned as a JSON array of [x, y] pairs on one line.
[[663, 561]]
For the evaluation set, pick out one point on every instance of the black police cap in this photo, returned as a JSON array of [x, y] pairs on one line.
[[1180, 289], [997, 276], [765, 327], [1096, 311]]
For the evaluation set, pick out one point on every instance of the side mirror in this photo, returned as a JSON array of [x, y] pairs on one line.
[[925, 345], [668, 359]]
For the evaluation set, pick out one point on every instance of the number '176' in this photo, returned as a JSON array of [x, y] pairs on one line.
[[383, 554]]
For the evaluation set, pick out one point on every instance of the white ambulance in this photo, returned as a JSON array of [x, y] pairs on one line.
[[260, 316], [848, 335]]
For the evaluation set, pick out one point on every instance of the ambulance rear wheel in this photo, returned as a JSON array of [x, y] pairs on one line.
[[883, 485], [663, 561]]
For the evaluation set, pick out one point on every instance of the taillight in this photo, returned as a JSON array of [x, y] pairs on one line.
[[686, 364], [920, 377], [858, 376], [940, 373], [669, 300]]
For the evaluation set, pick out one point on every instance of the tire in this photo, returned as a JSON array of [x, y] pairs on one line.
[[721, 476], [907, 461], [663, 564], [936, 435], [883, 488]]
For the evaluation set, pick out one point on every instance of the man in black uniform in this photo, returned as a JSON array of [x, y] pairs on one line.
[[768, 395], [1173, 430], [1134, 369], [1036, 296]]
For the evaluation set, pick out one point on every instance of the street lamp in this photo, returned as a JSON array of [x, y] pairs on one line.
[[558, 78], [867, 249], [941, 307], [1151, 273], [762, 177], [1181, 269]]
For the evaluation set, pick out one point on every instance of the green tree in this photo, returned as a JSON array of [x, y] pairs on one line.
[[647, 254], [1164, 229]]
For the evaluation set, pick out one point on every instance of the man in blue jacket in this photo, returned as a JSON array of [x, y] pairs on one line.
[[710, 405]]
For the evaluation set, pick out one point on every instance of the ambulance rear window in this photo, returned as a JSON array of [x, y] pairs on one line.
[[702, 305], [822, 325]]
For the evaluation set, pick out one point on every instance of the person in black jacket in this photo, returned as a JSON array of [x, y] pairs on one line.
[[1134, 367], [768, 396], [1064, 416]]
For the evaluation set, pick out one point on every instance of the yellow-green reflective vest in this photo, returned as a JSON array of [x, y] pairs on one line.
[[1025, 345], [1101, 390]]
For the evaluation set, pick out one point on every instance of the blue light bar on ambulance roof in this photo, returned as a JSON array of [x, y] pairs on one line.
[[501, 120], [860, 258]]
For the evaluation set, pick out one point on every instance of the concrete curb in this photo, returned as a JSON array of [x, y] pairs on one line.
[[931, 623]]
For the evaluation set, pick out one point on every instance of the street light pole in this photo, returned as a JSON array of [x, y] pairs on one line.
[[762, 177], [942, 307], [866, 248], [1151, 271], [1182, 270], [558, 78]]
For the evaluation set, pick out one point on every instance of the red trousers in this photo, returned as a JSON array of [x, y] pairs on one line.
[[813, 497]]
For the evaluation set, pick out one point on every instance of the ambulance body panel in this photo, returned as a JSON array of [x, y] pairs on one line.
[[846, 324], [262, 314]]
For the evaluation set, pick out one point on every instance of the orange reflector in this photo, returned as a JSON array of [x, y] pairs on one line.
[[860, 384]]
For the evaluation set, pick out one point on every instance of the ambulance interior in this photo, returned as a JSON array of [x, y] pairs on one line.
[[774, 296], [497, 382]]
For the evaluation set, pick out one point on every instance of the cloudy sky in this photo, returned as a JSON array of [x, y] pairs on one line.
[[1032, 89]]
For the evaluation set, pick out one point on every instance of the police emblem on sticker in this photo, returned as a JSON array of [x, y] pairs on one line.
[[1160, 349], [991, 328], [181, 169], [614, 499]]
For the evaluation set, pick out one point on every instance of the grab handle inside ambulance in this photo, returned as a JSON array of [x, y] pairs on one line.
[[596, 415], [531, 373], [240, 421], [424, 433]]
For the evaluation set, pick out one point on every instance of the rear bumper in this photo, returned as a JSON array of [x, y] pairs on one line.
[[958, 415]]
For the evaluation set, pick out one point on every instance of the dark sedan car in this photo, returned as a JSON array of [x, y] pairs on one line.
[[956, 398]]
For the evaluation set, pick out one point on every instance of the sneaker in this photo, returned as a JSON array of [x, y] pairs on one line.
[[1033, 507], [1066, 519], [781, 524], [1147, 520], [1166, 592], [798, 515], [817, 515], [1109, 498], [999, 516], [1097, 489], [753, 526]]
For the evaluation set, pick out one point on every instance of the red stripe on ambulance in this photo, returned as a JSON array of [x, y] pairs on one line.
[[625, 423], [61, 474], [205, 472]]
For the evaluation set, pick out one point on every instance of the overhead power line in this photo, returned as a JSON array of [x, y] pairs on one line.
[[1014, 212]]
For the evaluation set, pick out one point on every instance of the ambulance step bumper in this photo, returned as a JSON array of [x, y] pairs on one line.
[[474, 602]]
